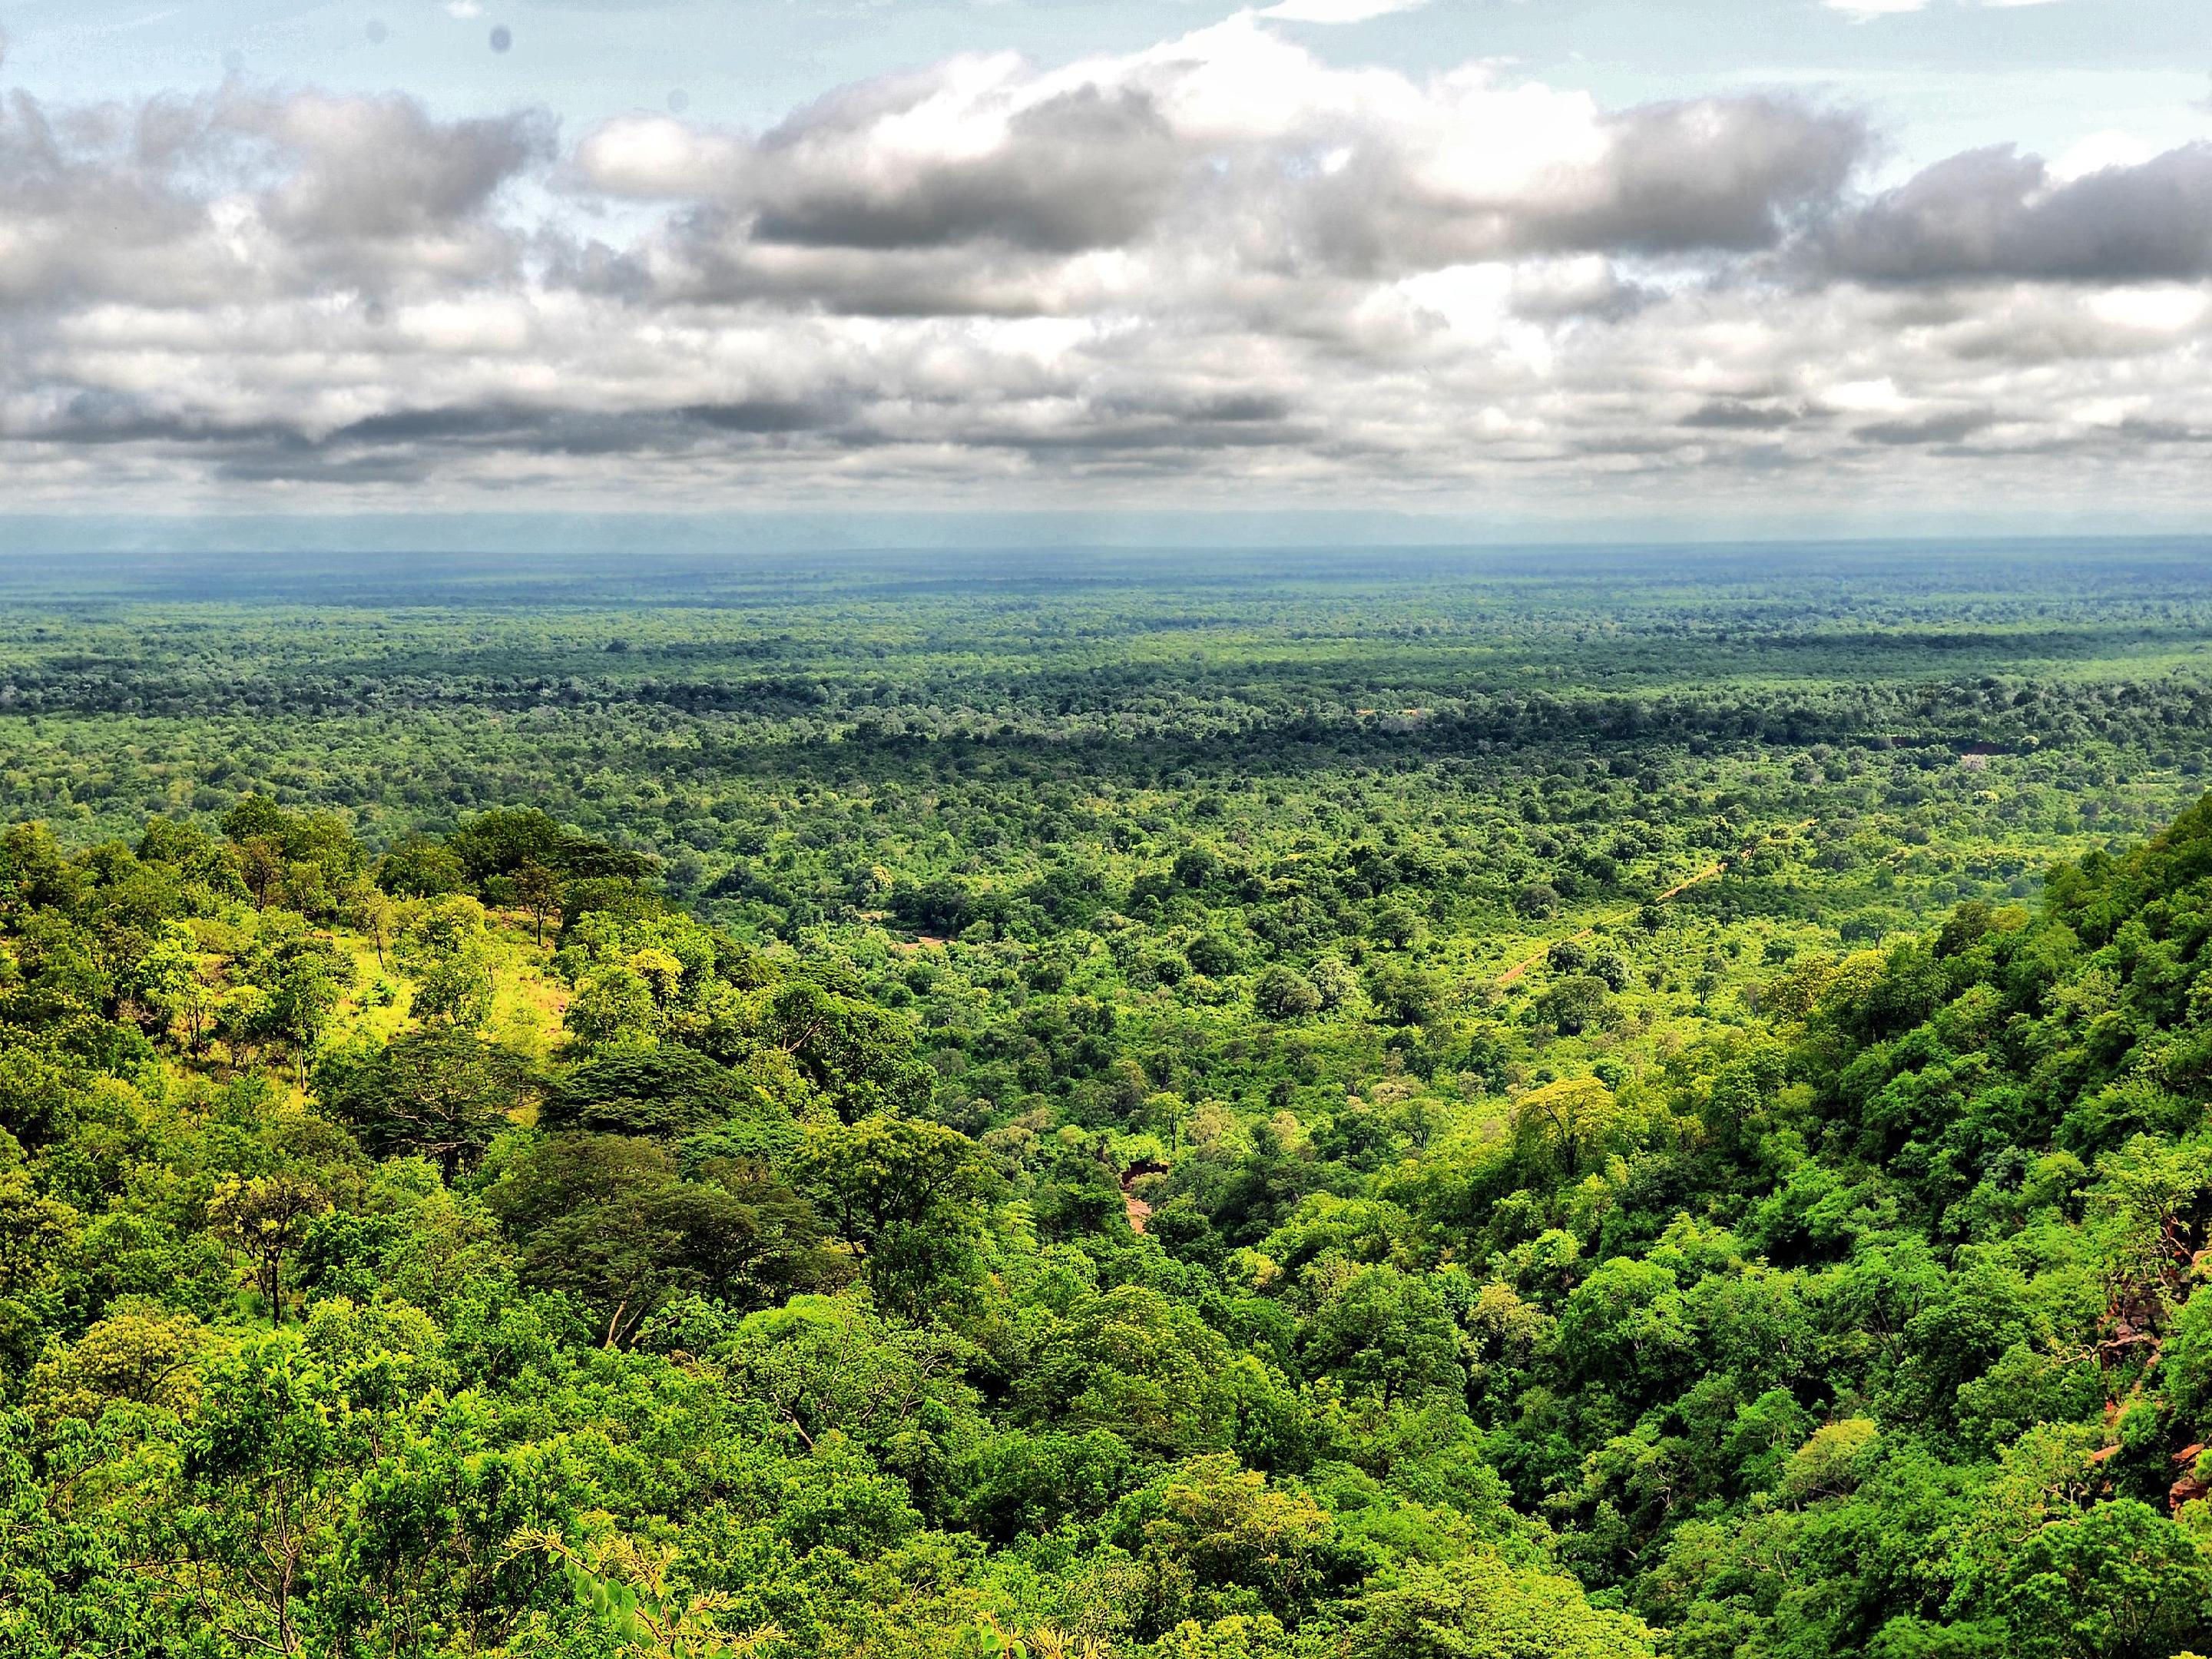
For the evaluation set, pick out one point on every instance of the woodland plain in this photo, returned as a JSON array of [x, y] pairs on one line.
[[1474, 1104]]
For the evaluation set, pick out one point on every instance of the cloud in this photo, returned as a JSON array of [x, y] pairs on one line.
[[375, 172], [1085, 167], [1230, 145], [1997, 213], [201, 202], [1216, 268], [1863, 11], [1338, 11]]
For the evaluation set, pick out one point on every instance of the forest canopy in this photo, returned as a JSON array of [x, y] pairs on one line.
[[1505, 1120]]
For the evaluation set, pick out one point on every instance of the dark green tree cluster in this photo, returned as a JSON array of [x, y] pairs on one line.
[[1869, 1331], [701, 1336]]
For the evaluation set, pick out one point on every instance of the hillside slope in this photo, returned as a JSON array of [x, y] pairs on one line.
[[375, 1280]]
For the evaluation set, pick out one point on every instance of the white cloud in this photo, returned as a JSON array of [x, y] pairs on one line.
[[2098, 152], [1219, 267], [1338, 11], [653, 155], [1864, 10]]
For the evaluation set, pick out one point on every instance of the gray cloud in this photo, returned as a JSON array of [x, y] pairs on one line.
[[1997, 213], [1718, 174], [1732, 415], [1218, 266], [1722, 173], [1952, 427], [975, 180], [365, 172], [217, 199], [1088, 168]]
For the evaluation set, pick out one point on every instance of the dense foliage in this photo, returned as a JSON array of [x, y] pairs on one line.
[[1487, 1124]]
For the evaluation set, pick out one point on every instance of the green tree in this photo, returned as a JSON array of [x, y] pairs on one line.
[[537, 890], [2117, 1581], [1570, 1119], [140, 1353], [286, 984], [1575, 1003], [1216, 1540], [860, 1055], [266, 1464], [420, 867], [1405, 995], [1386, 1333], [609, 1220], [1480, 1606], [267, 1217], [441, 1093], [1282, 993], [1535, 900], [905, 1196], [451, 958]]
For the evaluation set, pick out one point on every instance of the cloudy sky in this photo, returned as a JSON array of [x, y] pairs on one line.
[[1605, 264]]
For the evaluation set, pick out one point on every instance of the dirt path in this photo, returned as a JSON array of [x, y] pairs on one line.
[[1681, 886], [1138, 1210]]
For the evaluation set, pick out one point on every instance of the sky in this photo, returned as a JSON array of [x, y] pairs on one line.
[[1518, 267]]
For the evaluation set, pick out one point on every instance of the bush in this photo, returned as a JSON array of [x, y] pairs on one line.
[[1282, 994], [1537, 900]]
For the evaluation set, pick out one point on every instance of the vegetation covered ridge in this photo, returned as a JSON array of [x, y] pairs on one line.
[[462, 1249]]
